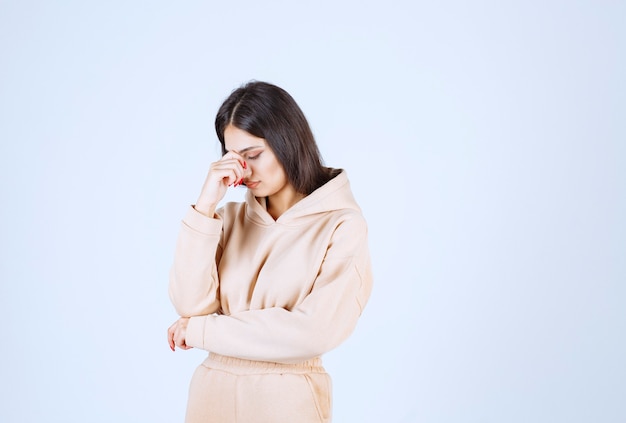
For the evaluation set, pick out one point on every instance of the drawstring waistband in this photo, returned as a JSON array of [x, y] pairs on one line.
[[241, 366]]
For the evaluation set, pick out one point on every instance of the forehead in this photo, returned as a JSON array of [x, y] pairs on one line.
[[237, 140]]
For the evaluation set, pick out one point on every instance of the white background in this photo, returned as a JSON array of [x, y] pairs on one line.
[[485, 142]]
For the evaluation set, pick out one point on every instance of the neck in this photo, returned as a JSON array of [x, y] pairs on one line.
[[282, 201]]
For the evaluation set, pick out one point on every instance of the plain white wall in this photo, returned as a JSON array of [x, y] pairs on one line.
[[485, 142]]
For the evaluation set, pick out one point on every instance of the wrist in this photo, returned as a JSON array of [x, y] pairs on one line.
[[205, 209]]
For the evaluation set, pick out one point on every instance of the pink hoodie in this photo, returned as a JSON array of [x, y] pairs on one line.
[[279, 291]]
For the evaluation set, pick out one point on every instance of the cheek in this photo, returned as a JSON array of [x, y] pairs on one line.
[[256, 167], [270, 169], [260, 169]]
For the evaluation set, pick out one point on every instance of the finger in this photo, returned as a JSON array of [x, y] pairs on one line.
[[229, 171], [224, 173], [180, 343], [234, 159], [238, 158], [235, 155], [179, 339], [170, 338], [183, 344], [241, 170]]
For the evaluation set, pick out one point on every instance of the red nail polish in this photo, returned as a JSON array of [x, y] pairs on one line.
[[245, 165]]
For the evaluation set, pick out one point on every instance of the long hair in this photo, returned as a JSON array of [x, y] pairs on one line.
[[269, 112]]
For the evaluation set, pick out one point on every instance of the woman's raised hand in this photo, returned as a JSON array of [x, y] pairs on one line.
[[231, 169]]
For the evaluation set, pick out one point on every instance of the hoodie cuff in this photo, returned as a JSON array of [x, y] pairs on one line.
[[194, 336], [201, 223]]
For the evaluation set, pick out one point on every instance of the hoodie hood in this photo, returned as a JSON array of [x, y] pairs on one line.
[[334, 195]]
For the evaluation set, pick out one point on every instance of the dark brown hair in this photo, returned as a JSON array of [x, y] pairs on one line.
[[269, 112]]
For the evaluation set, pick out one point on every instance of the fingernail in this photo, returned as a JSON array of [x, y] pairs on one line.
[[245, 165]]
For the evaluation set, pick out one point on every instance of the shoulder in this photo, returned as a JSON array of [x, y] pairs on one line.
[[230, 213], [349, 235], [350, 217]]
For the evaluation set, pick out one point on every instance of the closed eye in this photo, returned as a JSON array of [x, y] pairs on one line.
[[253, 157]]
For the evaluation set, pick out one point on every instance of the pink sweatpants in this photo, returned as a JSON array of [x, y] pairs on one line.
[[231, 390]]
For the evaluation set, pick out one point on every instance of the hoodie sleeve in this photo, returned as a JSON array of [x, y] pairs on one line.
[[193, 285], [324, 319]]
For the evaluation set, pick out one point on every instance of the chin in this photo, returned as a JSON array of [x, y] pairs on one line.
[[258, 192]]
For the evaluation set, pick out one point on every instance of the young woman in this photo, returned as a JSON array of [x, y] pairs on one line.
[[268, 285]]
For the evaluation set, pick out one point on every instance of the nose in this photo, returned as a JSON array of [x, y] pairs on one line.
[[247, 171]]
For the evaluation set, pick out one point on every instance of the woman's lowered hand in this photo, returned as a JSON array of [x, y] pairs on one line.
[[176, 334]]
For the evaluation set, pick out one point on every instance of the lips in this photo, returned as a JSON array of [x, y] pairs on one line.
[[252, 184]]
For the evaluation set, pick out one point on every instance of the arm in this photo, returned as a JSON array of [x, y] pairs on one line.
[[325, 318], [193, 286], [194, 282]]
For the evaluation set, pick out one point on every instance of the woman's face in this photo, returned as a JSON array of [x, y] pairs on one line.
[[266, 177]]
